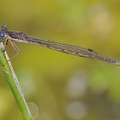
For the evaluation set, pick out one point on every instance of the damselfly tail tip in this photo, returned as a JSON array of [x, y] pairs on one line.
[[117, 63], [108, 60]]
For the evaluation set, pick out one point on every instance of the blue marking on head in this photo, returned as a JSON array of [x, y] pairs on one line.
[[2, 34], [4, 27]]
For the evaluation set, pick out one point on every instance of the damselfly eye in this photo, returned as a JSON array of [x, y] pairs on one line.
[[2, 35], [4, 27]]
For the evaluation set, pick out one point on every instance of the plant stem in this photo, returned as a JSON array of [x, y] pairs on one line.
[[13, 83]]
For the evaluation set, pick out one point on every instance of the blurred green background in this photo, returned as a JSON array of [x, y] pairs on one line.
[[64, 87]]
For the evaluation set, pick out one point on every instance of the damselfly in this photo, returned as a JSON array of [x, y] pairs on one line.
[[62, 47]]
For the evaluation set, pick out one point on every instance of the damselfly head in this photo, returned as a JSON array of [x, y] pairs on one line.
[[2, 35], [4, 27]]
